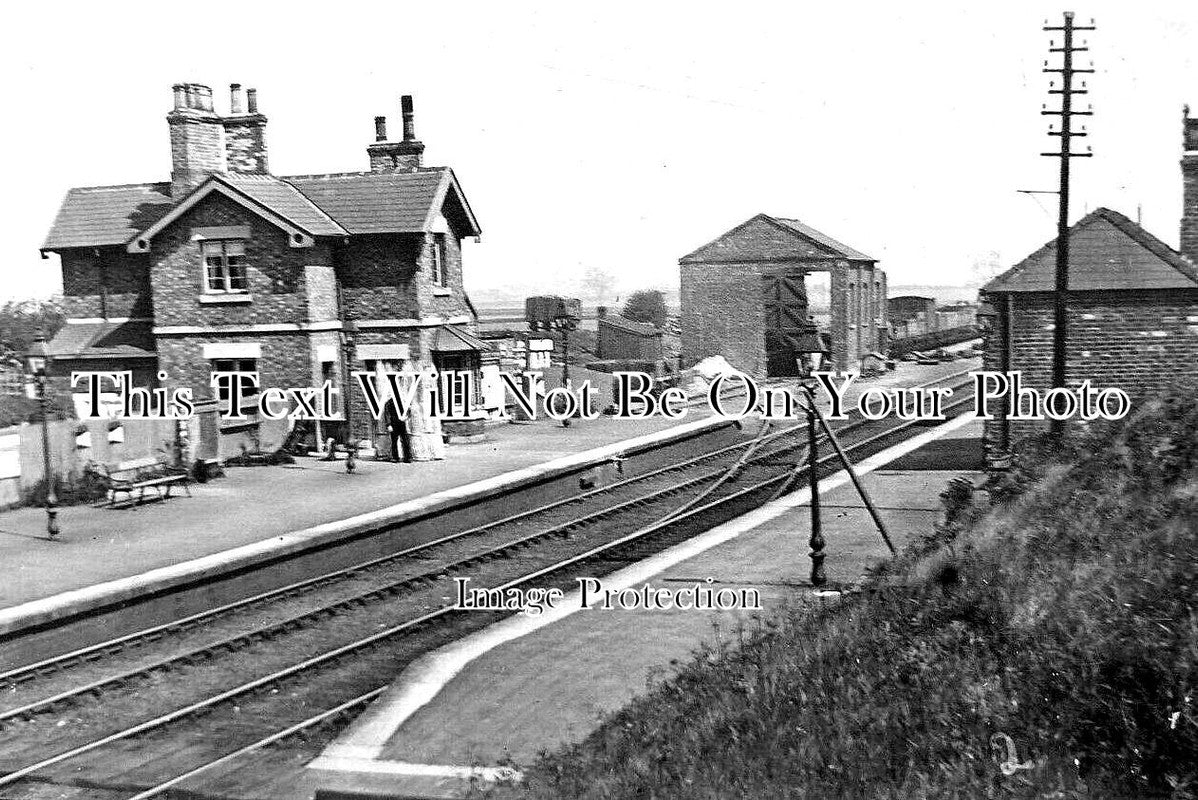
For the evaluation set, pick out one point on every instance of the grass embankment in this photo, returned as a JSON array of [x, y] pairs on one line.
[[1062, 621]]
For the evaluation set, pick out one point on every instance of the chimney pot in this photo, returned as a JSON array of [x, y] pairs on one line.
[[234, 98], [380, 129], [409, 118], [180, 95], [251, 99]]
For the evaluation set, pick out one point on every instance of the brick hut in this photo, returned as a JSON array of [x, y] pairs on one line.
[[744, 296], [1133, 317], [227, 266]]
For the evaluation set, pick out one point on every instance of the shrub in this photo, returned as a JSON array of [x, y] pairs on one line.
[[648, 305], [1056, 634]]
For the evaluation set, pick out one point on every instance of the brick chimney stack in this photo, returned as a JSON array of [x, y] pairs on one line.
[[1189, 182], [197, 138], [245, 134], [402, 156]]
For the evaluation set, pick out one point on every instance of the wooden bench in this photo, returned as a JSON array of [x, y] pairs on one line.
[[138, 475]]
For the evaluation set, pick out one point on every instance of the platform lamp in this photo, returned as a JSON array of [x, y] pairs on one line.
[[811, 351], [37, 359], [349, 332]]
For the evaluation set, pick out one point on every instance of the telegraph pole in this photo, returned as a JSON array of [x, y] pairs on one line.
[[1065, 154]]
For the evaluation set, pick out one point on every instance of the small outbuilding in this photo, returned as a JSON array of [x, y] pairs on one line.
[[621, 338], [1132, 318]]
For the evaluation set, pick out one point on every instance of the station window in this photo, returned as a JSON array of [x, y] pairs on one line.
[[439, 276], [236, 365], [224, 266]]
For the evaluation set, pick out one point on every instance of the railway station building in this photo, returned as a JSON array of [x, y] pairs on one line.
[[746, 296], [1132, 309], [229, 266]]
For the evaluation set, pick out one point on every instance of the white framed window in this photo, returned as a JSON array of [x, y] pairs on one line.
[[439, 276], [236, 365], [224, 266]]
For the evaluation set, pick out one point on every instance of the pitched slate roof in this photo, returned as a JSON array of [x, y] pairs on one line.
[[368, 202], [827, 241], [93, 216], [286, 201], [102, 340], [321, 205], [1106, 251], [766, 238]]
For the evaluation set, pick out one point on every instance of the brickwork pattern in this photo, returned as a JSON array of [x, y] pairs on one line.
[[433, 299], [197, 148], [377, 273], [395, 156], [1140, 342], [275, 271], [1189, 219], [286, 359], [722, 314], [245, 144], [111, 284]]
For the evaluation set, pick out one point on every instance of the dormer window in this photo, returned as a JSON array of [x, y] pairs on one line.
[[224, 266], [439, 276]]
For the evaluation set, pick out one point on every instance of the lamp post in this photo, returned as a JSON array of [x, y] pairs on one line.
[[36, 359], [810, 352], [349, 330]]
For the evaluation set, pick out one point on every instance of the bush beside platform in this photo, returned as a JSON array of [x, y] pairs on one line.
[[1044, 647]]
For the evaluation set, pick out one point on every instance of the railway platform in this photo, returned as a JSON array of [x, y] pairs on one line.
[[475, 710], [258, 506]]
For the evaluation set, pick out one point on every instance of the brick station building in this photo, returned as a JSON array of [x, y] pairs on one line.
[[229, 266], [1132, 308], [744, 296]]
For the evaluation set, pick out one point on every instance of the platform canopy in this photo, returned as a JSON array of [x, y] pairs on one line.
[[455, 339]]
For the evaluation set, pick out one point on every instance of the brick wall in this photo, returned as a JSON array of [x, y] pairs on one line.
[[377, 273], [1137, 341], [722, 315], [111, 284], [395, 156], [433, 299], [275, 271], [286, 359], [1189, 219], [245, 144], [197, 148]]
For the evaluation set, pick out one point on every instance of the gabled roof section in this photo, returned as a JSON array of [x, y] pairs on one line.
[[1107, 251], [270, 198], [288, 202], [827, 241], [766, 238], [396, 202], [96, 216], [630, 326]]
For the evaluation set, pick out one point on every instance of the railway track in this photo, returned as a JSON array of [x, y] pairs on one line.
[[155, 713]]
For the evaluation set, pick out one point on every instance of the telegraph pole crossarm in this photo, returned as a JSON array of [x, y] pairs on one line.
[[1066, 134]]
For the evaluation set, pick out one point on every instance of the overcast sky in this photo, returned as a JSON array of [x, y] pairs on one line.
[[623, 135]]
